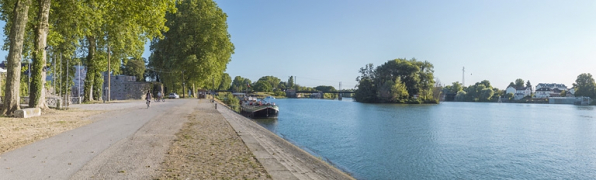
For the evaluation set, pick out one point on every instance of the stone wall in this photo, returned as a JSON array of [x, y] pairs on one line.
[[126, 87]]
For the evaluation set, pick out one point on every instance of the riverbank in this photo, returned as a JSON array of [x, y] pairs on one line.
[[280, 158]]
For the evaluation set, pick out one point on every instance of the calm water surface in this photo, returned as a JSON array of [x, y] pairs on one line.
[[446, 141]]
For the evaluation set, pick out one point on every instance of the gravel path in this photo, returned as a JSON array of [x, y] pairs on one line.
[[208, 148]]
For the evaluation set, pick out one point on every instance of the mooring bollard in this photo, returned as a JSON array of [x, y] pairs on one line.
[[215, 105]]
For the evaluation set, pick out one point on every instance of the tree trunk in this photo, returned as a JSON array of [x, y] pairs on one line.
[[17, 33], [90, 75], [97, 84], [37, 92]]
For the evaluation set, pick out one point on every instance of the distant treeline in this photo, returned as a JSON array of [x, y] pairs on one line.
[[271, 85]]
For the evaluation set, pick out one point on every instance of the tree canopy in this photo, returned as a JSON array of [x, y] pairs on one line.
[[225, 82], [197, 45], [519, 83], [134, 67], [585, 86], [396, 81]]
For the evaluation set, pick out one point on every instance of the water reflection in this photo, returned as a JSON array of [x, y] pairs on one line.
[[588, 108], [268, 123], [446, 141]]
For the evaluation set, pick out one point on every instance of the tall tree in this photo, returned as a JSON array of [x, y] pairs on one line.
[[263, 86], [519, 83], [290, 82], [584, 86], [416, 76], [17, 26], [271, 80], [456, 87], [238, 84], [366, 91], [226, 81], [123, 27], [134, 67], [37, 94], [197, 44]]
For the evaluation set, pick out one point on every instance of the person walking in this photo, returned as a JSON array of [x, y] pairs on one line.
[[148, 98]]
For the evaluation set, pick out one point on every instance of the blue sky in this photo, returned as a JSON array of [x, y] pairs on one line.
[[325, 42]]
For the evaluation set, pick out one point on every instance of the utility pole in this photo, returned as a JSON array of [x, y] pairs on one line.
[[79, 79], [66, 89], [339, 92], [29, 77], [463, 78], [54, 75], [183, 88], [109, 76], [60, 82], [213, 89]]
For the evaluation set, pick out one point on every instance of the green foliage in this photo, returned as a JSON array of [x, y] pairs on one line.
[[237, 84], [271, 80], [399, 91], [584, 86], [197, 44], [282, 86], [456, 87], [326, 88], [461, 96], [262, 86], [279, 93], [486, 94], [134, 67], [519, 83], [396, 81], [230, 100], [481, 91], [509, 96], [98, 85], [246, 84], [366, 91], [225, 82], [290, 82]]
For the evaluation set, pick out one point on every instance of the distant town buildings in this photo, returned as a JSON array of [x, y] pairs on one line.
[[546, 90], [543, 90]]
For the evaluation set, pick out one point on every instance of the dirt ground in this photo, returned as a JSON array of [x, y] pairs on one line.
[[18, 132], [208, 148]]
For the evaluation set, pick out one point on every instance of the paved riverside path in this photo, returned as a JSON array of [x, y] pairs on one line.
[[130, 141], [127, 142]]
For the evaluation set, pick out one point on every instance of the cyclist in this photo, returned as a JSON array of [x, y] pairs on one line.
[[148, 98], [159, 96]]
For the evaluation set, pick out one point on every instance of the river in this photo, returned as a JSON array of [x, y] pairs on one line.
[[451, 140]]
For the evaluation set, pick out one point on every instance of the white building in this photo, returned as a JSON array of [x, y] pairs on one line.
[[518, 93], [510, 89], [546, 90]]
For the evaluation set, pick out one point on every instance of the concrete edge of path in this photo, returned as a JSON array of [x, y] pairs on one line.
[[280, 158]]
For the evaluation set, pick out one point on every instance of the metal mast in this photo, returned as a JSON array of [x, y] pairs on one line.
[[463, 77]]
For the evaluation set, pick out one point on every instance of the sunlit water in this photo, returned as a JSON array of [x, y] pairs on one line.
[[446, 141]]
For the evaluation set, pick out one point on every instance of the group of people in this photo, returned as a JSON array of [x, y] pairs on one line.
[[148, 97]]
